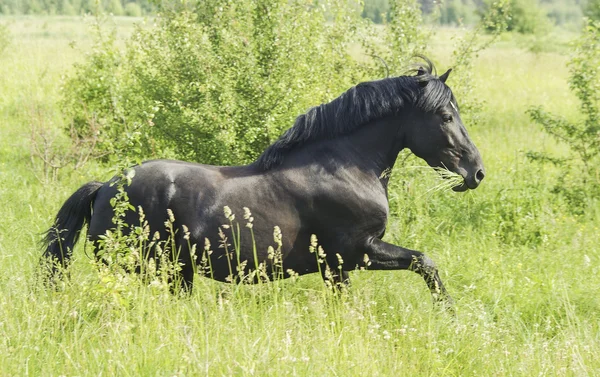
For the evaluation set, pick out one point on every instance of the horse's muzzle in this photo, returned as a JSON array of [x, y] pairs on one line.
[[471, 182]]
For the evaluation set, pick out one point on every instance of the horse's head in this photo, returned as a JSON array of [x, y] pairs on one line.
[[436, 132]]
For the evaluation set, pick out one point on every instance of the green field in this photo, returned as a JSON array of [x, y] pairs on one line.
[[522, 268]]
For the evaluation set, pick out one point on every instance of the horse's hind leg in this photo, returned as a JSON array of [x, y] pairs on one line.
[[385, 256]]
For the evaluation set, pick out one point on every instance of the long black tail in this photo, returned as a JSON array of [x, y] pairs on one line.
[[59, 240]]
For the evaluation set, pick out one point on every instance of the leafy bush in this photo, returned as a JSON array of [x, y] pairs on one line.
[[592, 9], [218, 81], [457, 12], [94, 101], [523, 16], [376, 10], [73, 7], [579, 181], [466, 51], [133, 10], [115, 7], [566, 12]]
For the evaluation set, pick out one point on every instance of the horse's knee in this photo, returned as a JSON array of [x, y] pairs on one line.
[[422, 264]]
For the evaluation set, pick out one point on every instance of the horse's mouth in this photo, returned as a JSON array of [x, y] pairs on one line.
[[460, 188], [467, 184]]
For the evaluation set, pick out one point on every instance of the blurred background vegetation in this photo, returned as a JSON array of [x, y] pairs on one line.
[[528, 15]]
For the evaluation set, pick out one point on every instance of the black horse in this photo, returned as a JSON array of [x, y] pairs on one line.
[[326, 176]]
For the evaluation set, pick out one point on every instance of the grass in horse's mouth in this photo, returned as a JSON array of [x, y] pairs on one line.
[[444, 179], [449, 180]]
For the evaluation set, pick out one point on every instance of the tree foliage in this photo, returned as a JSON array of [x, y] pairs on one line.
[[217, 81], [75, 7], [457, 12], [376, 10], [528, 14], [523, 16], [592, 9]]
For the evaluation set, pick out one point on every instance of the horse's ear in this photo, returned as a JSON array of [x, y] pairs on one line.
[[444, 77], [421, 77]]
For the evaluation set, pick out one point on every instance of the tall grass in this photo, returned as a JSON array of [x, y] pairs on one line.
[[522, 270]]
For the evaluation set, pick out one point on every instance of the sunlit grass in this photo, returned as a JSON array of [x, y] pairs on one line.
[[522, 271]]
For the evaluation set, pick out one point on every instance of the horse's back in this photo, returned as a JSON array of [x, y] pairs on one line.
[[156, 186]]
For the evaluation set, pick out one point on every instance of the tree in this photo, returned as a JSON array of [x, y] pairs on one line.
[[115, 7], [524, 16], [592, 9], [219, 80]]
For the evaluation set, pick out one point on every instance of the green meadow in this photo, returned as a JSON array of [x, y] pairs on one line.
[[521, 265]]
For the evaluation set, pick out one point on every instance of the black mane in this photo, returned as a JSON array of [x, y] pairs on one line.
[[358, 106]]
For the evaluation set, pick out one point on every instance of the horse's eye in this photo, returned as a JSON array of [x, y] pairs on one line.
[[447, 118]]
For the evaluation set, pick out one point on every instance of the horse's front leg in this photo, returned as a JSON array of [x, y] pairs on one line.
[[385, 256]]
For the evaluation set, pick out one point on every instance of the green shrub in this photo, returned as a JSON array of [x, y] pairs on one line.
[[523, 16], [74, 7], [566, 12], [66, 8], [457, 12], [580, 180], [467, 50], [115, 7], [376, 10], [592, 9], [133, 10], [93, 100], [218, 81]]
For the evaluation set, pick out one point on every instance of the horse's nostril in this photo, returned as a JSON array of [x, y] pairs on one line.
[[480, 175]]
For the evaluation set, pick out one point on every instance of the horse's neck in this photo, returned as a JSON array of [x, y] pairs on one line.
[[374, 146]]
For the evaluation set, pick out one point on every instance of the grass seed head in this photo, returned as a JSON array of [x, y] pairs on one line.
[[171, 216]]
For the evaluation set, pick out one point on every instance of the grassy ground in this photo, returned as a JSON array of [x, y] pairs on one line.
[[521, 267]]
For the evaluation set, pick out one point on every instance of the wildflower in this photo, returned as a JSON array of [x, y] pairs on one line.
[[151, 267], [193, 252], [366, 260], [293, 274], [277, 235], [171, 216], [247, 213], [313, 243]]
